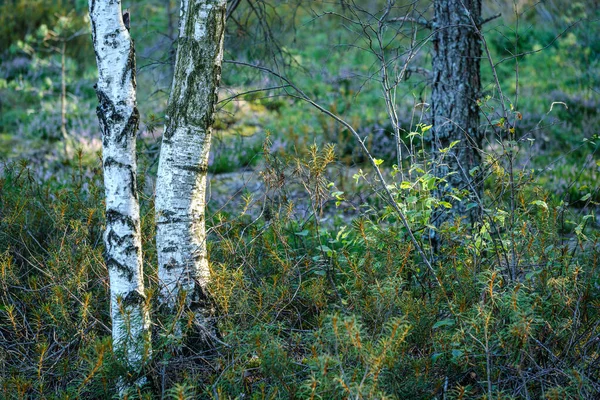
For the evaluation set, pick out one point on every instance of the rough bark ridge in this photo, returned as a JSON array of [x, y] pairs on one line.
[[118, 116], [456, 87], [181, 183]]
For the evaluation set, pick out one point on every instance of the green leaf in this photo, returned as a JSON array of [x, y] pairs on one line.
[[302, 233], [540, 203], [444, 322], [586, 197], [532, 274], [457, 353], [325, 249], [470, 205], [378, 161], [445, 204], [431, 183], [449, 147]]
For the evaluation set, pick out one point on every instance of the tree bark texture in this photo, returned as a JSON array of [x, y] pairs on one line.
[[181, 184], [118, 116], [456, 88]]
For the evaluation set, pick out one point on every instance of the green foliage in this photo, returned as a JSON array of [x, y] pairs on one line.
[[54, 313], [234, 152], [31, 76], [321, 293], [310, 308], [19, 18], [352, 311], [559, 47]]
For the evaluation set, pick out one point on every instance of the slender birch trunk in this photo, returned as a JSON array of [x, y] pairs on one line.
[[183, 270], [118, 116], [456, 88]]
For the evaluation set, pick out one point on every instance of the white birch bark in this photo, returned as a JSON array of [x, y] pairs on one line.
[[181, 184], [118, 116]]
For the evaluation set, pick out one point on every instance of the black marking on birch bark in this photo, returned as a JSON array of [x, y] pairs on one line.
[[107, 115], [167, 135], [111, 39], [130, 128], [129, 69], [114, 216], [167, 213], [112, 162], [205, 335], [200, 298], [115, 240], [200, 169], [170, 126], [134, 298], [105, 105], [171, 264], [94, 35], [126, 19], [103, 127], [113, 264], [133, 187], [170, 249], [200, 256], [169, 220]]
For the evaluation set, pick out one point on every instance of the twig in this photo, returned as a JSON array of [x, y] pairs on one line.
[[390, 198], [485, 21], [421, 21]]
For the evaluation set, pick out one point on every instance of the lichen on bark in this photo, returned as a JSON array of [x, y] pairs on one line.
[[181, 183]]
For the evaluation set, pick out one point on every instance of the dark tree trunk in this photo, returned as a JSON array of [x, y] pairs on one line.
[[456, 88]]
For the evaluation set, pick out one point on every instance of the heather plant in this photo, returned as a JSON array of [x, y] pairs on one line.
[[311, 306], [326, 283], [362, 316], [54, 297]]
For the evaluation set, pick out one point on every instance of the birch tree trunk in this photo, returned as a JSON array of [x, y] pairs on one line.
[[118, 116], [456, 88], [183, 270]]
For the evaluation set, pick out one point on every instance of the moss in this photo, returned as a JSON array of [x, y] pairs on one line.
[[196, 106]]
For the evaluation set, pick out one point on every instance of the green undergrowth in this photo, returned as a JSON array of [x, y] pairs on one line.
[[317, 304], [352, 312], [54, 316], [54, 302], [309, 309]]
